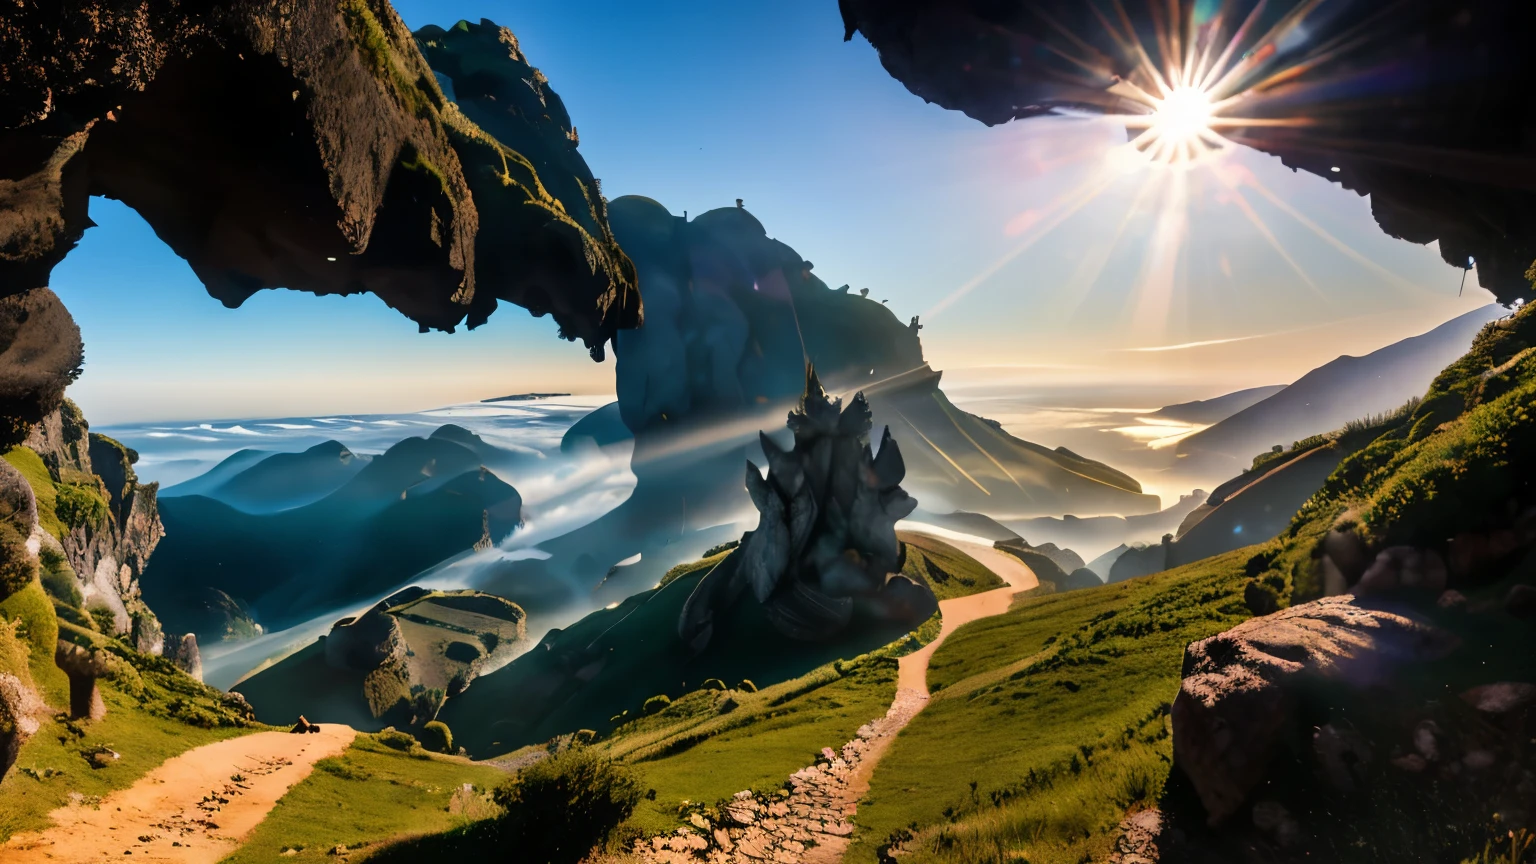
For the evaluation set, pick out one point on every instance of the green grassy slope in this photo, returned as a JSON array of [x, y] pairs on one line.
[[366, 795], [1056, 712], [31, 467], [631, 652], [709, 745], [948, 571]]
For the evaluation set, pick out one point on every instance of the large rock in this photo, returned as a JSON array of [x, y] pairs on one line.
[[1442, 153], [1238, 705], [303, 144], [825, 545], [20, 711]]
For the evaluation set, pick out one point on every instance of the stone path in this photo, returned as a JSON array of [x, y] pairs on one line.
[[807, 822], [193, 809]]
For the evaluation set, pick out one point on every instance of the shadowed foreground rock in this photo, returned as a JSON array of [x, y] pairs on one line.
[[825, 545], [1243, 689], [303, 144]]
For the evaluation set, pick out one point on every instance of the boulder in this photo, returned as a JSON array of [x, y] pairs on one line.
[[20, 710], [1237, 706]]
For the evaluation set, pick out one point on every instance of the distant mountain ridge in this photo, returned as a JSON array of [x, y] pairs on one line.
[[420, 502], [255, 481], [1345, 389], [1219, 408]]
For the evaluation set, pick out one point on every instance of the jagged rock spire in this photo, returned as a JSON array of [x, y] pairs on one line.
[[825, 546]]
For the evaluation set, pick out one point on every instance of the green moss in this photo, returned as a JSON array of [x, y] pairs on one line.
[[80, 505], [418, 93], [31, 612], [31, 466], [684, 569]]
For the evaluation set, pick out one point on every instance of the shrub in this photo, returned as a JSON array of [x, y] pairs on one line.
[[78, 505], [713, 684], [394, 739], [437, 737], [746, 686], [106, 621], [17, 566], [557, 810], [585, 736], [59, 578], [656, 703]]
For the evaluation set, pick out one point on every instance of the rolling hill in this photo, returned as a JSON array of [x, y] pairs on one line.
[[256, 482]]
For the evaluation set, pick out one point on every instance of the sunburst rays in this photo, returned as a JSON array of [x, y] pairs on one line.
[[1189, 96]]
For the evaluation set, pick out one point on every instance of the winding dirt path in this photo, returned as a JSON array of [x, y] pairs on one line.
[[811, 825], [193, 809]]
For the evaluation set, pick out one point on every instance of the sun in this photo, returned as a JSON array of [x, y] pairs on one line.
[[1183, 119]]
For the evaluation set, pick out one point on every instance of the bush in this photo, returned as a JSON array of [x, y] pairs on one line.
[[106, 621], [396, 740], [557, 810], [746, 686], [59, 578], [713, 684], [656, 704], [78, 505], [437, 737], [17, 566]]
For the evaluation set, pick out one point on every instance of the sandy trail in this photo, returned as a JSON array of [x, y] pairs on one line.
[[811, 825], [193, 809]]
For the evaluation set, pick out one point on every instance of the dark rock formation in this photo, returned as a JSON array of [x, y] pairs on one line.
[[395, 663], [825, 544], [1243, 690], [286, 143], [20, 712], [40, 355], [108, 555], [18, 505], [366, 642], [1423, 108], [83, 666], [182, 650]]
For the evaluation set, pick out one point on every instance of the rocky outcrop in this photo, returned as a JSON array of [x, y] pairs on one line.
[[21, 710], [40, 355], [83, 666], [182, 651], [366, 642], [296, 143], [1244, 690], [1442, 153], [109, 554], [825, 544]]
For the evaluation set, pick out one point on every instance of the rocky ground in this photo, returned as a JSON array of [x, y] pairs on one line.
[[806, 822]]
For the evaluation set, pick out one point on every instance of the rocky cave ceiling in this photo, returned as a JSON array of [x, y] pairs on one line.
[[1426, 106], [303, 144]]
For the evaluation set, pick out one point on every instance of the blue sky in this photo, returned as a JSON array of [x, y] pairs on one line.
[[699, 103]]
